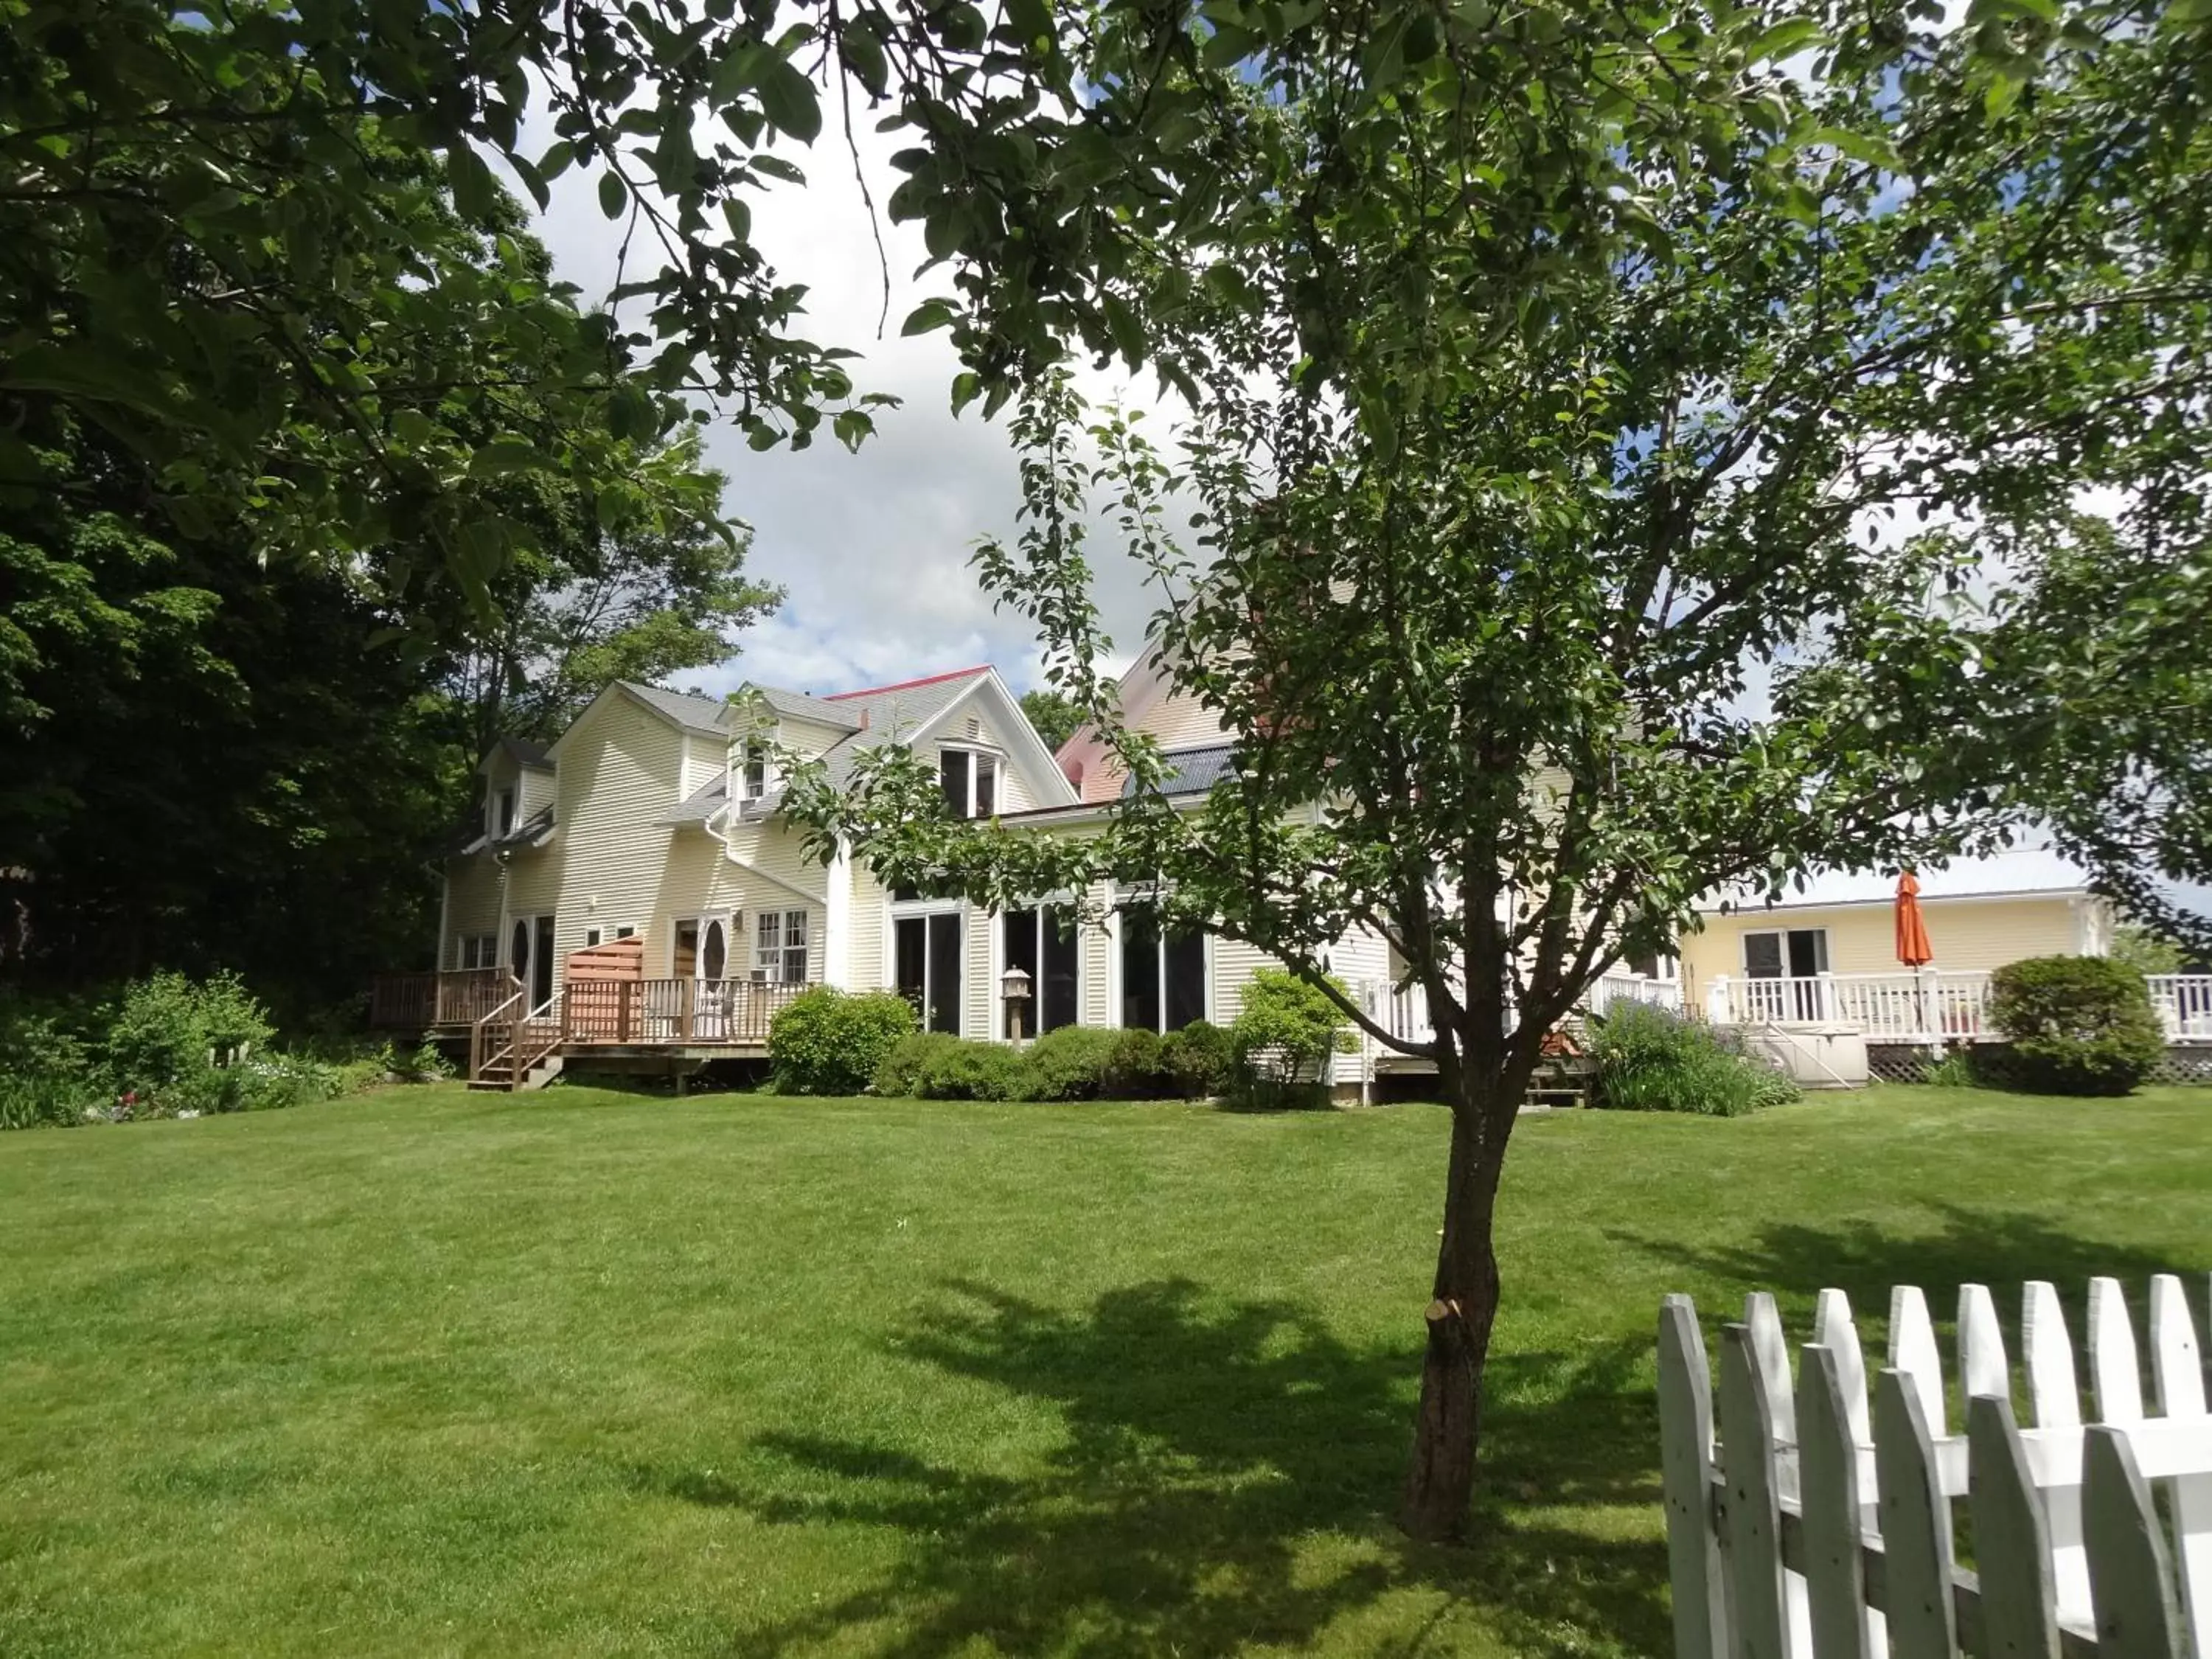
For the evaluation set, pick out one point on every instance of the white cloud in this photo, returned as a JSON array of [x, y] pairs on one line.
[[872, 548]]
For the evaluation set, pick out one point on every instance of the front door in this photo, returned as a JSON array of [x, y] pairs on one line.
[[518, 949], [541, 964]]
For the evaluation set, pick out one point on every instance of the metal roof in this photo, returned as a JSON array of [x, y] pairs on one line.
[[1192, 771]]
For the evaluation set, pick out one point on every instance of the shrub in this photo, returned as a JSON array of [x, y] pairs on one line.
[[824, 1041], [1954, 1070], [427, 1064], [177, 1045], [900, 1071], [1201, 1058], [1651, 1060], [1281, 1039], [1137, 1069], [2077, 1025], [1072, 1063], [974, 1071], [47, 1075]]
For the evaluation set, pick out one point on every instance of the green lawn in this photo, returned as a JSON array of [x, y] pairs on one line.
[[584, 1372]]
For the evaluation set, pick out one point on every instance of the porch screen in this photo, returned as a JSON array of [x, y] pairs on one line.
[[926, 957], [1163, 972], [1041, 943]]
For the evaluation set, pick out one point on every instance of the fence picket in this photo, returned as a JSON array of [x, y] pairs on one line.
[[2115, 1370], [1800, 1533], [1758, 1610], [1982, 1368], [1828, 1463], [2054, 1394], [2019, 1608], [1913, 1350], [2128, 1572], [2177, 1376], [1771, 1357], [1834, 1330], [1916, 1522], [1685, 1462]]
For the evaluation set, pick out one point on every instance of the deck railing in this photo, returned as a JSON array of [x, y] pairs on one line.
[[1931, 1006], [671, 1011], [1403, 1010], [416, 1002], [2184, 1002]]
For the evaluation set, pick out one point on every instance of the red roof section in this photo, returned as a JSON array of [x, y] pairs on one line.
[[908, 685]]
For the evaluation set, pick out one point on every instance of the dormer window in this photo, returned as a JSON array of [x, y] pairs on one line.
[[970, 779], [753, 770], [505, 817]]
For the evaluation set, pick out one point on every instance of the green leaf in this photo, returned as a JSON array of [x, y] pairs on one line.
[[928, 316], [502, 456], [475, 195], [739, 217], [614, 195], [82, 369], [788, 99], [851, 427]]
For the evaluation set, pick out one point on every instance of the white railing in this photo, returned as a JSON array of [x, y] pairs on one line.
[[2184, 1002], [1815, 1525], [1403, 1010], [1933, 1005], [1614, 988]]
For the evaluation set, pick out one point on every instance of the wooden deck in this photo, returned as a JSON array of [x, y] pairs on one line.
[[599, 1012]]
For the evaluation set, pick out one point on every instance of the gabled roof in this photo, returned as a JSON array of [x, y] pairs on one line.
[[701, 803], [522, 752], [694, 713], [803, 706], [900, 710]]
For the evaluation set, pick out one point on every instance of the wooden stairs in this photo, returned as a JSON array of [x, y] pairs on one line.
[[497, 1074]]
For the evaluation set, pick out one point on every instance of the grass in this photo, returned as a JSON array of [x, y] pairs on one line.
[[585, 1372]]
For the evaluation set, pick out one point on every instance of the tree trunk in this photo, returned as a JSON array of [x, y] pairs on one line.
[[1463, 1306]]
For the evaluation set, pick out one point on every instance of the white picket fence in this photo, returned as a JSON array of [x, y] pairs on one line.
[[1818, 1528]]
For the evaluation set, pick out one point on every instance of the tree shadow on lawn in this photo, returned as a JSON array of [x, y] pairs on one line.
[[1223, 1484], [2001, 1250]]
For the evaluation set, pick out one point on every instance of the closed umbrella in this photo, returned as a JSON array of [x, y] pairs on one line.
[[1913, 949]]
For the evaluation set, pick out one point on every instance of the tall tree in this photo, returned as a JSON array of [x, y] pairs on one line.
[[1591, 424], [580, 606], [1054, 714]]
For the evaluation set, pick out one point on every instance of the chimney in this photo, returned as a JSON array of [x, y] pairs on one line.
[[863, 717]]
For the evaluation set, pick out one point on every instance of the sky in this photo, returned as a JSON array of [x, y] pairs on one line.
[[872, 548]]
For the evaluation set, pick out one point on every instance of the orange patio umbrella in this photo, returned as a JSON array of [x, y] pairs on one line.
[[1913, 949]]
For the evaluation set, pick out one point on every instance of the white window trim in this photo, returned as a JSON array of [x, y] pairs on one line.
[[974, 751], [1064, 901], [1743, 948], [505, 809], [737, 785], [1114, 979], [896, 911], [775, 974]]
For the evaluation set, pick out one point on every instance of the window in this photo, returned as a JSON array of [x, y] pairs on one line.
[[505, 819], [591, 938], [1795, 953], [1797, 956], [479, 950], [624, 933], [970, 779], [926, 949], [754, 770], [781, 955], [1041, 943], [1163, 972]]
